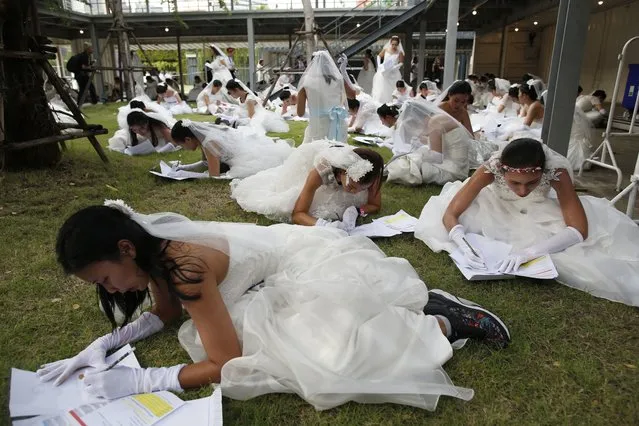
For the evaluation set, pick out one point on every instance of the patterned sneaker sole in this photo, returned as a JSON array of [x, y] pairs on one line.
[[471, 305]]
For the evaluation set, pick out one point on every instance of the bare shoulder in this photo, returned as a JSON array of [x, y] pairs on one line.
[[195, 263]]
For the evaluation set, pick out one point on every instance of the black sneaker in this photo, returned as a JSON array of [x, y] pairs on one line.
[[467, 319]]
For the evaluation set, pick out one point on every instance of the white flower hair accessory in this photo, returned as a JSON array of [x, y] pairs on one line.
[[186, 122], [120, 205], [359, 169]]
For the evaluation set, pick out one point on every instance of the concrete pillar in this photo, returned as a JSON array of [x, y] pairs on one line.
[[421, 55], [502, 50], [251, 51], [565, 70], [179, 52], [451, 43], [408, 53]]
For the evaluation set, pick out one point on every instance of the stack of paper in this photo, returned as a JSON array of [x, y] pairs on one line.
[[387, 226], [493, 252]]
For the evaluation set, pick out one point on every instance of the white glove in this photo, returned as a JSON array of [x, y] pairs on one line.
[[332, 224], [558, 242], [122, 381], [379, 61], [192, 166], [603, 111], [458, 236], [94, 355], [349, 217]]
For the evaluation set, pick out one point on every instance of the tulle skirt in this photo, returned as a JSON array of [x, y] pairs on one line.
[[334, 321], [254, 153], [268, 121], [365, 79], [273, 192], [605, 265], [384, 85], [177, 108]]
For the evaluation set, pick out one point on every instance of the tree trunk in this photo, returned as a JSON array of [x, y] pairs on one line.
[[26, 111]]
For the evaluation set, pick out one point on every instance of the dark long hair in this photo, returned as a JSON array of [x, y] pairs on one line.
[[179, 132], [369, 55], [523, 152], [388, 111], [459, 87], [375, 176], [140, 119], [530, 91], [92, 235]]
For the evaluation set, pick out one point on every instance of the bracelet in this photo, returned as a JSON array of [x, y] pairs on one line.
[[361, 212]]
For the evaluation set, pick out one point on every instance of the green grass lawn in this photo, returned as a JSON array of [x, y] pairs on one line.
[[573, 360]]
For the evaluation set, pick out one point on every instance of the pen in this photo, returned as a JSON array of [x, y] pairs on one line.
[[117, 361], [471, 247]]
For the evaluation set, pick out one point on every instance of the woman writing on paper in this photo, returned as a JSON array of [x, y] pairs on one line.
[[242, 151], [335, 299], [320, 184], [142, 124], [524, 196], [260, 119]]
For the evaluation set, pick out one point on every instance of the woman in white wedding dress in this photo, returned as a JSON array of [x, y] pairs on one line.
[[389, 61], [364, 117], [317, 183], [430, 146], [171, 100], [323, 90], [332, 319], [243, 150], [213, 91], [144, 128], [367, 73], [524, 196], [251, 107]]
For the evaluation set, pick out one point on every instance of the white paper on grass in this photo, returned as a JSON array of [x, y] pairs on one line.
[[400, 221], [493, 252], [369, 140], [199, 412], [29, 396], [169, 172], [375, 229]]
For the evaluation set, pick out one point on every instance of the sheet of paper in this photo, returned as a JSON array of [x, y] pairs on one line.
[[31, 397], [199, 412], [494, 252], [168, 172], [139, 410], [400, 221], [369, 140], [375, 229]]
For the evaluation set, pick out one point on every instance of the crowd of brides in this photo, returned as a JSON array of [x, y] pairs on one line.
[[303, 308]]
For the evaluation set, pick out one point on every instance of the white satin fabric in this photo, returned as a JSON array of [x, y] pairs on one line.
[[263, 120], [385, 78], [365, 78], [273, 192], [335, 320], [367, 118], [605, 265]]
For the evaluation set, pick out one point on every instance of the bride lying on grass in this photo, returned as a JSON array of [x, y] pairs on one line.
[[278, 309]]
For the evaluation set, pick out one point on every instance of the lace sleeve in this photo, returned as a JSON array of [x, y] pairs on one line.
[[324, 168], [553, 174], [492, 166]]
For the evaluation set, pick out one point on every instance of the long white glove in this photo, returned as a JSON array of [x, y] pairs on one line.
[[458, 236], [349, 217], [94, 355], [379, 61], [558, 242], [342, 63], [122, 381], [192, 166]]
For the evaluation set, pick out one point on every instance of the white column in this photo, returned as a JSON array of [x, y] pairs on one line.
[[451, 43], [251, 52], [421, 65]]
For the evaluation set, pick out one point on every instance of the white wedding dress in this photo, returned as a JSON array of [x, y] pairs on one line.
[[121, 140], [273, 192], [220, 72], [605, 265], [244, 150], [385, 78], [333, 321], [365, 78], [367, 118], [325, 100], [175, 107], [263, 120]]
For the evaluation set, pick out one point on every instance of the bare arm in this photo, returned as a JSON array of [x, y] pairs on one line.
[[350, 92], [300, 215], [301, 102], [571, 207], [166, 306], [501, 108], [463, 199], [401, 59], [250, 108], [465, 121], [534, 112], [374, 201], [213, 162], [214, 325], [166, 134]]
